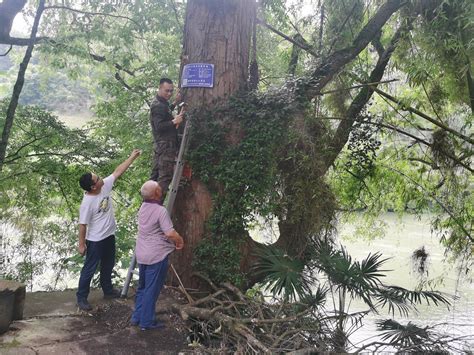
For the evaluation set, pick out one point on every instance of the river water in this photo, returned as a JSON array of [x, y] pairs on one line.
[[402, 237]]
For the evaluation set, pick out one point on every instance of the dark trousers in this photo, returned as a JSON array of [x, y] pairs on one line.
[[151, 281], [163, 163], [103, 252]]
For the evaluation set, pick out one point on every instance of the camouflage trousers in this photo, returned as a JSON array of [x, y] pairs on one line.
[[163, 163]]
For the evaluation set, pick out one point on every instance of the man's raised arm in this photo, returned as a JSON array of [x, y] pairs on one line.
[[119, 170]]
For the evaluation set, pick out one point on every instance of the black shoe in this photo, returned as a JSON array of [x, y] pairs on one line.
[[114, 294], [84, 305], [156, 325]]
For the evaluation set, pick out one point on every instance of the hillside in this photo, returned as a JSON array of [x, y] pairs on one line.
[[54, 91]]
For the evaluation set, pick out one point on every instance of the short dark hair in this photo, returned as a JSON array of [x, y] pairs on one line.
[[165, 80], [86, 181]]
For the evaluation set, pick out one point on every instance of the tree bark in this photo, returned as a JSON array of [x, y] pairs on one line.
[[470, 85], [295, 53], [217, 32]]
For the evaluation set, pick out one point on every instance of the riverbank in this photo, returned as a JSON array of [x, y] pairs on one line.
[[53, 324]]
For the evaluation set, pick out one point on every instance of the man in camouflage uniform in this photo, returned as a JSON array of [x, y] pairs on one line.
[[165, 134]]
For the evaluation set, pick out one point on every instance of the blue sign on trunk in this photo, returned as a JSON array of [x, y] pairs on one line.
[[198, 75]]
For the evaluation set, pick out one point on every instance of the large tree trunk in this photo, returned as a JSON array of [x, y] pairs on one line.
[[216, 32]]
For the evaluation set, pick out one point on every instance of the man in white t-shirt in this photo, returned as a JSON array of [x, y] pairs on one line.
[[97, 231]]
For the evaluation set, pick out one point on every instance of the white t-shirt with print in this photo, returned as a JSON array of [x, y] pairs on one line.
[[98, 213]]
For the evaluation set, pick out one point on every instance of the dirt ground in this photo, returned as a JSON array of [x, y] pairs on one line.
[[126, 339], [52, 324]]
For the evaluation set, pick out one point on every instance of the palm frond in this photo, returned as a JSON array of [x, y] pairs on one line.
[[370, 269], [404, 336], [359, 279], [284, 275], [404, 300], [394, 301], [316, 299]]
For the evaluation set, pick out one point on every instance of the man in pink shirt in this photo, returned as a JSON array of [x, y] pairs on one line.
[[156, 240]]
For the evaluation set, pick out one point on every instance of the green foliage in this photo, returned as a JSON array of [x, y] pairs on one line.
[[405, 300], [39, 183], [225, 167], [333, 274], [43, 160], [409, 336], [343, 23], [220, 259], [284, 275], [446, 34]]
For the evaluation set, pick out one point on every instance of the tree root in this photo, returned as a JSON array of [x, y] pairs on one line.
[[227, 317]]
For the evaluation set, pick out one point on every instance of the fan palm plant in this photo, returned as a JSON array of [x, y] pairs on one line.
[[284, 275], [335, 272]]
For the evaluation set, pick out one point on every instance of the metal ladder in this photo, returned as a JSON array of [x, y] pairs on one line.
[[169, 201]]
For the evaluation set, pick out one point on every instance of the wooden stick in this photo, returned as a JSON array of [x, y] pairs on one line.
[[188, 296]]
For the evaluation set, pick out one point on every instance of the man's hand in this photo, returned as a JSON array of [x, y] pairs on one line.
[[179, 242], [175, 238], [135, 153], [82, 248], [82, 239], [178, 119]]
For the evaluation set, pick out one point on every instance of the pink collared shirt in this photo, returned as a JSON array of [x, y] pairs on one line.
[[152, 244]]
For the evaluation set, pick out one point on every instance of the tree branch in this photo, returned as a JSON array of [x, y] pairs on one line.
[[8, 51], [295, 51], [175, 10], [68, 154], [321, 27], [470, 86], [121, 81], [377, 44], [68, 204], [357, 86], [333, 63], [101, 59], [343, 131], [26, 145], [423, 115], [458, 161], [21, 42], [61, 7], [339, 31], [303, 45]]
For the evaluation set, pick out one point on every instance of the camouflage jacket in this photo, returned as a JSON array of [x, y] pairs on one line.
[[160, 119]]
